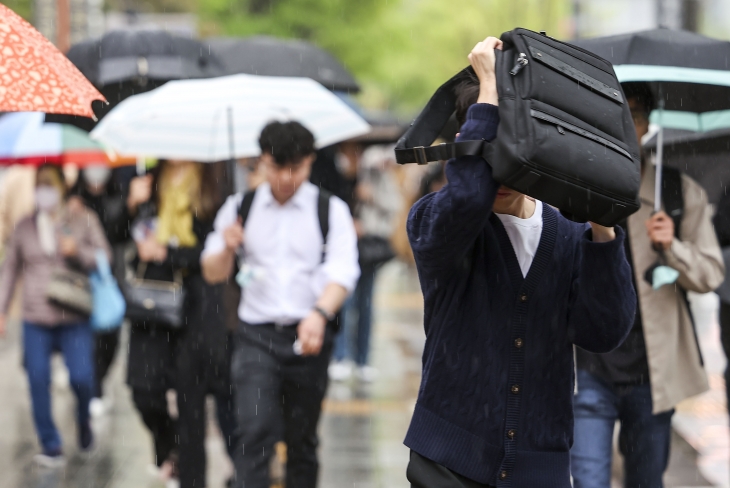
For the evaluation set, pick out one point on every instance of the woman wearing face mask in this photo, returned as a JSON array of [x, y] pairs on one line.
[[170, 231], [50, 239], [99, 190]]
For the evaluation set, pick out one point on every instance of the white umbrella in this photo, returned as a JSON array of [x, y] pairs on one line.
[[220, 118]]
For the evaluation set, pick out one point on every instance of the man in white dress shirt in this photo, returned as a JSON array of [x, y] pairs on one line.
[[293, 285]]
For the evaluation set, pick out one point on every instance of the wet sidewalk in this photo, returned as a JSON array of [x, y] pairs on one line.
[[362, 429]]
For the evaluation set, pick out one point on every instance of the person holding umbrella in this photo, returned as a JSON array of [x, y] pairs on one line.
[[659, 364], [173, 210]]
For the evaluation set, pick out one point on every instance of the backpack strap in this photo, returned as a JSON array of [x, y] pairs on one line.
[[415, 145], [323, 214], [245, 207]]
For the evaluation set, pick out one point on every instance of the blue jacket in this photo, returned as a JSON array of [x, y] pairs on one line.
[[495, 403]]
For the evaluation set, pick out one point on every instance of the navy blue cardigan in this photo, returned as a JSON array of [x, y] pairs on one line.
[[495, 403]]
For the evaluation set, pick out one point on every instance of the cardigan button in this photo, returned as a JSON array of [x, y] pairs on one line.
[[515, 389], [503, 475], [511, 433], [519, 342], [523, 298]]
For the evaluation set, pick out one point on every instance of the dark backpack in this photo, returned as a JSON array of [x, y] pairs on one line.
[[565, 136]]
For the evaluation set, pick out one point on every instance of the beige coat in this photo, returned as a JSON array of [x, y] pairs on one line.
[[674, 362]]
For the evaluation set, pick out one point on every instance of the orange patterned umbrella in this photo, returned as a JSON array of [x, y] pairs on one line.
[[37, 77]]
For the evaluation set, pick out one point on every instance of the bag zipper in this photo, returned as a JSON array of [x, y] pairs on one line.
[[521, 63], [577, 130]]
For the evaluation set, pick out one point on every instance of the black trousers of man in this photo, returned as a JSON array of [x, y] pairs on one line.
[[278, 395], [424, 473]]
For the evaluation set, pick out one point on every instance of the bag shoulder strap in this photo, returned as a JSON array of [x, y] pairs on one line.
[[323, 214], [672, 196], [245, 207]]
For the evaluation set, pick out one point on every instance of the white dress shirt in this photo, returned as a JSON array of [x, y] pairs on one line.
[[524, 234], [282, 251]]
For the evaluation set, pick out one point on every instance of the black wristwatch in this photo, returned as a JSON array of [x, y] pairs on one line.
[[329, 317]]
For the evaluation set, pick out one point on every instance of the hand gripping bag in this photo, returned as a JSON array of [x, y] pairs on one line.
[[565, 137]]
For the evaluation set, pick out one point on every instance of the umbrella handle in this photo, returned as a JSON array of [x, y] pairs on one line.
[[659, 155]]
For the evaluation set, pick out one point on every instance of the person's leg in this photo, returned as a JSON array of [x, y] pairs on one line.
[[37, 348], [106, 344], [644, 439], [191, 392], [364, 294], [152, 407], [77, 346], [343, 339], [303, 388], [226, 415], [725, 340], [424, 473], [255, 374], [596, 410]]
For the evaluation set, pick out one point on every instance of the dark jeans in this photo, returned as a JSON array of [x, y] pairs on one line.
[[353, 341], [105, 349], [76, 344], [644, 438], [278, 395], [424, 473], [725, 339]]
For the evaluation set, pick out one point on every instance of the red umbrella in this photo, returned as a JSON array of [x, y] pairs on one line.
[[37, 77]]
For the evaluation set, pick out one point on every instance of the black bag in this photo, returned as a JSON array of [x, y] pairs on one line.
[[151, 301], [374, 251], [565, 136]]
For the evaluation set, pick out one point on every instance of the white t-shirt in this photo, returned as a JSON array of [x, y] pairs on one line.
[[524, 234]]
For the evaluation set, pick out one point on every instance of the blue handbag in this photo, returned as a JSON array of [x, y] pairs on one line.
[[108, 302]]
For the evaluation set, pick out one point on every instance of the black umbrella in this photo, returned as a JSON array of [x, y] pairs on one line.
[[268, 56], [705, 156], [686, 72], [124, 63], [126, 55]]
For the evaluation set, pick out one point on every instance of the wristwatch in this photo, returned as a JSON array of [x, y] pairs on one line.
[[329, 317]]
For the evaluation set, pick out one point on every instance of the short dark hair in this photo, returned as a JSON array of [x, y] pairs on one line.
[[467, 94], [641, 91], [287, 142]]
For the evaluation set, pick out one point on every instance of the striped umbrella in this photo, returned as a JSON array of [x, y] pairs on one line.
[[219, 118], [26, 139]]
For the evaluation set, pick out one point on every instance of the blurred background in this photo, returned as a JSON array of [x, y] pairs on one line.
[[399, 52]]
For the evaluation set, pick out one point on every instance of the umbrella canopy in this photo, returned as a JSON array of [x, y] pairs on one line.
[[693, 71], [268, 56], [125, 55], [35, 76], [221, 118], [705, 156], [25, 139]]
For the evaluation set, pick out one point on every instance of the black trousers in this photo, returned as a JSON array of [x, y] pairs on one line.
[[105, 349], [424, 473], [278, 395], [725, 339], [152, 407]]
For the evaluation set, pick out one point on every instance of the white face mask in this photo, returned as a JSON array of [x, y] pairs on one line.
[[96, 175], [47, 197]]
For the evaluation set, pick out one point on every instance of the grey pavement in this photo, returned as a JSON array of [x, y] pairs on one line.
[[362, 427]]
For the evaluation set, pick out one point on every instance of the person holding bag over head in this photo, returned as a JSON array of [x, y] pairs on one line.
[[51, 249], [181, 347]]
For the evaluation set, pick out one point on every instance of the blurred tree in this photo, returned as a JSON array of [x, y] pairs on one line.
[[24, 8], [400, 50]]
